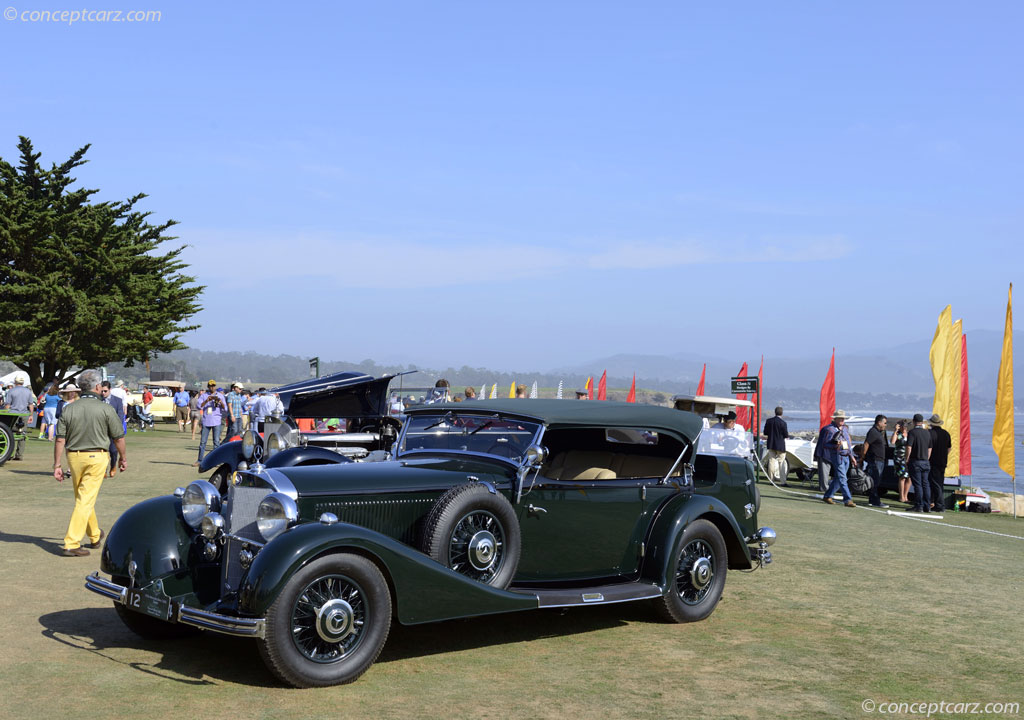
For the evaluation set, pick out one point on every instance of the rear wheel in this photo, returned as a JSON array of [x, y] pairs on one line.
[[699, 579], [329, 623]]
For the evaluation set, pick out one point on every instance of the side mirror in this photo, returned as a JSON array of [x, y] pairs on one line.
[[535, 455]]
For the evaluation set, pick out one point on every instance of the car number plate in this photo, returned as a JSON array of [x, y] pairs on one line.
[[148, 603]]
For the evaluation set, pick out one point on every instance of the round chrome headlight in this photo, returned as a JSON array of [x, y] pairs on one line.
[[200, 498], [275, 444], [276, 513], [248, 443]]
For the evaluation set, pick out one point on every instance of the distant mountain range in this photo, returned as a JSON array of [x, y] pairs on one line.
[[889, 378]]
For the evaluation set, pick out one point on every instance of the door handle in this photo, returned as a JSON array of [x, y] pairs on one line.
[[535, 511]]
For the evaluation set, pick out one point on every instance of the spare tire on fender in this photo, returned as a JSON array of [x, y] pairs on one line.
[[473, 530]]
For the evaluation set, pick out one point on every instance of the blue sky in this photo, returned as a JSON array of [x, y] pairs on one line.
[[528, 185]]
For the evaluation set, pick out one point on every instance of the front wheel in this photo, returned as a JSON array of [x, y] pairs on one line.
[[6, 443], [329, 623], [699, 579]]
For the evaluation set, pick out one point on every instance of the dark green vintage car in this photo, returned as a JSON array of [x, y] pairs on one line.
[[488, 507]]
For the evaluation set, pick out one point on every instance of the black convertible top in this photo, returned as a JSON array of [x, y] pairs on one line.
[[578, 413]]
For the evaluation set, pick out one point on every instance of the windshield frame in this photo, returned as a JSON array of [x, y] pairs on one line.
[[484, 417]]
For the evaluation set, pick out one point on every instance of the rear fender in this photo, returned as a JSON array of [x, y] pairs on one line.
[[424, 590], [672, 521], [229, 453]]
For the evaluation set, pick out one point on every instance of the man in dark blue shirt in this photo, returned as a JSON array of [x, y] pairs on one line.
[[776, 431], [919, 450], [875, 445]]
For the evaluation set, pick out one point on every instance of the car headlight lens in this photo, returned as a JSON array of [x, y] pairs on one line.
[[248, 444], [200, 498], [275, 514], [275, 444]]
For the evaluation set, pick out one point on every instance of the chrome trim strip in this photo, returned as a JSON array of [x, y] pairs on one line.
[[226, 624], [240, 539], [605, 602], [101, 586]]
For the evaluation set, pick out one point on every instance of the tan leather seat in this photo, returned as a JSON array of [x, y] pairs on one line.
[[581, 465], [640, 466]]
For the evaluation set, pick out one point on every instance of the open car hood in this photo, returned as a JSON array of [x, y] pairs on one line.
[[343, 394]]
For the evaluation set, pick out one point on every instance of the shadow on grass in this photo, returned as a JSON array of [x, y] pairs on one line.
[[202, 659], [210, 659], [53, 547], [409, 641]]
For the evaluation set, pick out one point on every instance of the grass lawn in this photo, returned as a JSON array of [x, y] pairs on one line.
[[857, 605]]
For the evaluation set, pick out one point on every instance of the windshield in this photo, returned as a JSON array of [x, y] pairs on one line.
[[464, 432]]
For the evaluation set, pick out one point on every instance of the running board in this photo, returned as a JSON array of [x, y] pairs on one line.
[[599, 595]]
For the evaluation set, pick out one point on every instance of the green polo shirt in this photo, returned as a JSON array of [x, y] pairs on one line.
[[89, 424]]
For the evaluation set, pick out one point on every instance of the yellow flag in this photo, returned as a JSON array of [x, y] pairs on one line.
[[939, 357], [1002, 428], [512, 390], [951, 416]]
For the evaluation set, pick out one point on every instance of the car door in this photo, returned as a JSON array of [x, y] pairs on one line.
[[580, 529]]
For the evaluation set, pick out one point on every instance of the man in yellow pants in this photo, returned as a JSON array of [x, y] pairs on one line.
[[86, 428]]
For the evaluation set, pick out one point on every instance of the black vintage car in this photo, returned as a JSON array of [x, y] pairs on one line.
[[489, 507]]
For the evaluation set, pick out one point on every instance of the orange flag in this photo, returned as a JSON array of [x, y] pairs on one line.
[[602, 386], [743, 413], [700, 385], [631, 397], [589, 387]]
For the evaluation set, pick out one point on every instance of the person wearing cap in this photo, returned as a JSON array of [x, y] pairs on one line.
[[941, 444], [85, 429], [20, 399], [68, 394], [582, 395], [727, 422], [919, 452], [263, 408], [118, 391], [211, 405], [838, 450], [180, 400], [235, 401]]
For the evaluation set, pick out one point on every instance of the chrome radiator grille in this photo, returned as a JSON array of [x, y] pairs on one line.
[[243, 502]]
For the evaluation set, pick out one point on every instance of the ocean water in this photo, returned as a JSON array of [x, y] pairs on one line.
[[984, 464]]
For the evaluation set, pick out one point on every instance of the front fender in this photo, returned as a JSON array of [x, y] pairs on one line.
[[667, 533], [229, 453], [309, 455], [154, 535], [424, 590]]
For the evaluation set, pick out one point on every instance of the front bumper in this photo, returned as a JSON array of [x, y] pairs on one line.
[[181, 613]]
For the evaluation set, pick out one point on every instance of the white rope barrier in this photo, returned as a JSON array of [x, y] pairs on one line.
[[893, 513]]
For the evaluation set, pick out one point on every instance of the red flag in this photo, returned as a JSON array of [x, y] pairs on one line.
[[700, 385], [760, 382], [602, 386], [589, 387], [743, 413], [631, 397], [827, 400], [965, 412]]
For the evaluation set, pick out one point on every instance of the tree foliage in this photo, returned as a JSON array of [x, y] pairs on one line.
[[81, 282]]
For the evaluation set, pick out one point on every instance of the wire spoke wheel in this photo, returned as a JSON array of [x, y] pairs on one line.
[[329, 618], [696, 580], [476, 548], [695, 574], [329, 622]]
